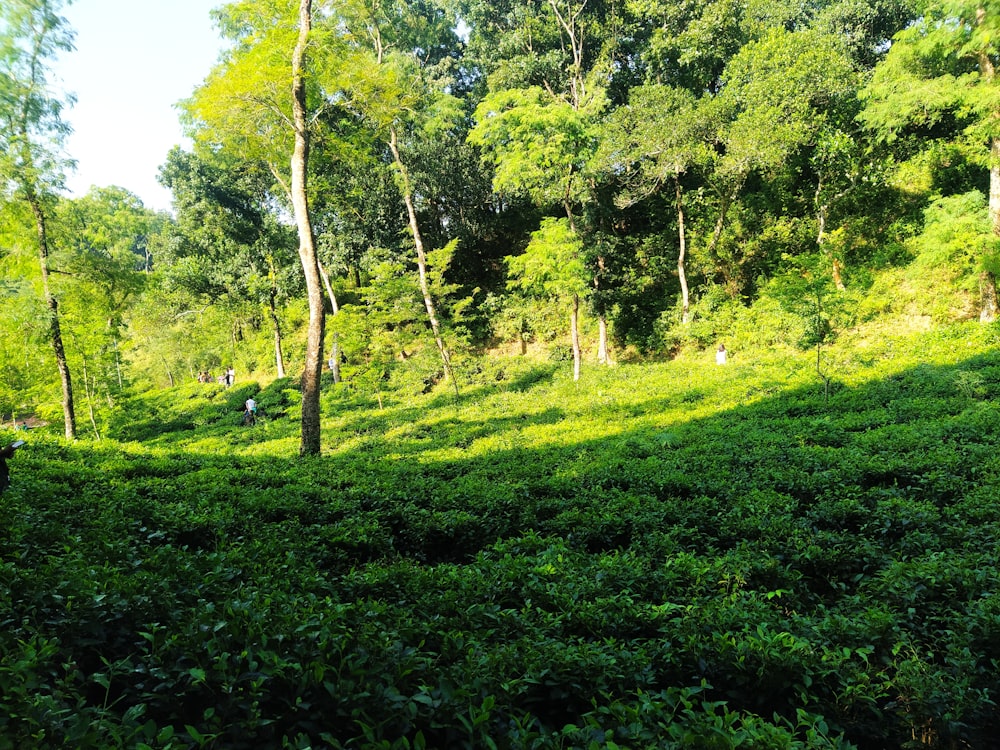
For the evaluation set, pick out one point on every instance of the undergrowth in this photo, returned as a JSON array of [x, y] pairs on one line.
[[661, 555]]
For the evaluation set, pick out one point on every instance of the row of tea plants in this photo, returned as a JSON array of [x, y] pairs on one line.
[[662, 555]]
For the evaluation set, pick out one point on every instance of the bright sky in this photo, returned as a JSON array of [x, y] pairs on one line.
[[134, 60]]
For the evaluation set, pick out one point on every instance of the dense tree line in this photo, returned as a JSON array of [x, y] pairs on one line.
[[409, 181]]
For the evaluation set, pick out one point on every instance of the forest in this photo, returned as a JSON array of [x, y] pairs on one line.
[[474, 261], [406, 186]]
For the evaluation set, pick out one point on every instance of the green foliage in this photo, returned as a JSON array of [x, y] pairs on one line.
[[551, 265], [672, 554], [669, 555], [956, 245], [778, 89], [536, 143]]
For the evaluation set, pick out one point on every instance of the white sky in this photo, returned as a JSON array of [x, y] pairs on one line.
[[134, 60]]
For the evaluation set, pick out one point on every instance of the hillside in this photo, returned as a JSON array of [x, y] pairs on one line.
[[670, 554]]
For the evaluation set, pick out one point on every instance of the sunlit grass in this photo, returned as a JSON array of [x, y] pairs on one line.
[[556, 412]]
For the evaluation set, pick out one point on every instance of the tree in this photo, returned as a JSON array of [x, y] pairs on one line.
[[105, 238], [807, 290], [263, 99], [31, 137], [224, 220], [941, 70], [551, 266], [774, 97], [390, 88], [657, 138], [540, 147], [549, 80]]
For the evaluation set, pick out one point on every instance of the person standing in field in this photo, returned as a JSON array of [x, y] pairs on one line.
[[250, 413], [720, 355]]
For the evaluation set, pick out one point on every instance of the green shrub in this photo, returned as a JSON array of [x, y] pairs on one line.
[[663, 554]]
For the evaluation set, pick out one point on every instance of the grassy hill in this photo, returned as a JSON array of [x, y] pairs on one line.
[[664, 555]]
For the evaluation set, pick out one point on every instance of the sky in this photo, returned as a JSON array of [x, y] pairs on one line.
[[134, 60]]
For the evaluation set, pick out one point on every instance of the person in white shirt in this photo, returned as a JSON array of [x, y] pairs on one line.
[[250, 412]]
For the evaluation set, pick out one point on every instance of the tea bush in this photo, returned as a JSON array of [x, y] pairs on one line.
[[661, 555]]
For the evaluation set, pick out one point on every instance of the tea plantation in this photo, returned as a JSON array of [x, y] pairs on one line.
[[663, 555]]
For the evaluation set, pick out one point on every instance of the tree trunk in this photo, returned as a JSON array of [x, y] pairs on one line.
[[602, 340], [55, 330], [574, 330], [727, 200], [310, 441], [279, 357], [335, 351], [987, 282], [822, 210], [89, 387], [272, 311], [329, 289], [335, 358], [118, 363], [682, 253], [407, 191], [603, 357]]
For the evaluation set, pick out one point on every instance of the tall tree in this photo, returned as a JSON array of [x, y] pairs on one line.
[[225, 221], [105, 237], [540, 147], [31, 137], [299, 190], [656, 139], [775, 96], [263, 99], [392, 88], [552, 266], [548, 80], [941, 70]]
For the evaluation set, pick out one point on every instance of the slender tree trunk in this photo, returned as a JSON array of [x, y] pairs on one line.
[[55, 330], [88, 390], [822, 210], [329, 289], [272, 311], [279, 357], [987, 282], [574, 321], [335, 358], [310, 441], [720, 224], [166, 365], [603, 356], [335, 350], [682, 253], [602, 340], [118, 363], [418, 241], [574, 330]]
